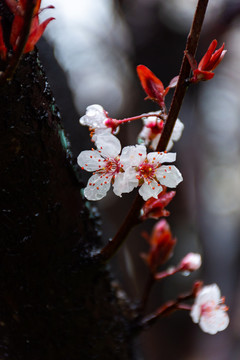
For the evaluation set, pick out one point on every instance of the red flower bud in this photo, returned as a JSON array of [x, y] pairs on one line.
[[161, 245]]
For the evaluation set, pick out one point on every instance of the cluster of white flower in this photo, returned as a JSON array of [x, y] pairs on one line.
[[134, 167], [126, 171]]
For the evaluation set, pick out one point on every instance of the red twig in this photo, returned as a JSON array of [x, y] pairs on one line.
[[166, 309]]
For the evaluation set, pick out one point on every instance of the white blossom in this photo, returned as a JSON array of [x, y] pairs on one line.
[[191, 262], [152, 129], [208, 310], [105, 164], [95, 119], [146, 170]]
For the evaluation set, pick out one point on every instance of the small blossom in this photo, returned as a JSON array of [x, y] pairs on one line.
[[105, 162], [155, 208], [98, 121], [152, 129], [204, 71], [146, 170], [191, 262], [153, 86], [208, 310], [161, 245]]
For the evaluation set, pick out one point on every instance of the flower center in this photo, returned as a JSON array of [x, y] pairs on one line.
[[207, 308], [111, 167], [146, 170]]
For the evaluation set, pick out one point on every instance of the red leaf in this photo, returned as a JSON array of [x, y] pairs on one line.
[[3, 49], [152, 86], [36, 32]]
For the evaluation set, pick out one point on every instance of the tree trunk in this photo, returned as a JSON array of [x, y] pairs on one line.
[[55, 304]]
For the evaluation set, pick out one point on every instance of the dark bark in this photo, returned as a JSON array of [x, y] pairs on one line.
[[54, 303]]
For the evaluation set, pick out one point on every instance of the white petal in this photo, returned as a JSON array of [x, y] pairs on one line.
[[218, 320], [97, 187], [195, 313], [161, 157], [155, 142], [125, 182], [176, 134], [144, 136], [108, 145], [209, 293], [90, 160], [169, 176], [177, 130], [99, 132], [133, 155], [150, 190], [94, 116]]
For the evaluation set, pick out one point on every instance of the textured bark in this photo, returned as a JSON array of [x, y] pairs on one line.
[[54, 303]]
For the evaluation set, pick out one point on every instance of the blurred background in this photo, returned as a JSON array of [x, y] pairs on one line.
[[97, 45]]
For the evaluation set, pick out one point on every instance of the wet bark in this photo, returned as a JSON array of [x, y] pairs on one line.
[[54, 303]]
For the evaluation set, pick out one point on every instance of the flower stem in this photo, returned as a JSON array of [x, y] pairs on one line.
[[191, 46], [166, 309], [137, 117], [132, 218], [13, 63]]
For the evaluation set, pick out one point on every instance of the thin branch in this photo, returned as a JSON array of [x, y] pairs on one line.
[[132, 218], [13, 63], [191, 47], [166, 309]]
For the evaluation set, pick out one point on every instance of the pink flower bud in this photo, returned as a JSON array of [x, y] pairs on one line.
[[191, 262], [161, 245]]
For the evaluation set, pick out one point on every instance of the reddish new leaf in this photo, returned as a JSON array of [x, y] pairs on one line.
[[152, 86]]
